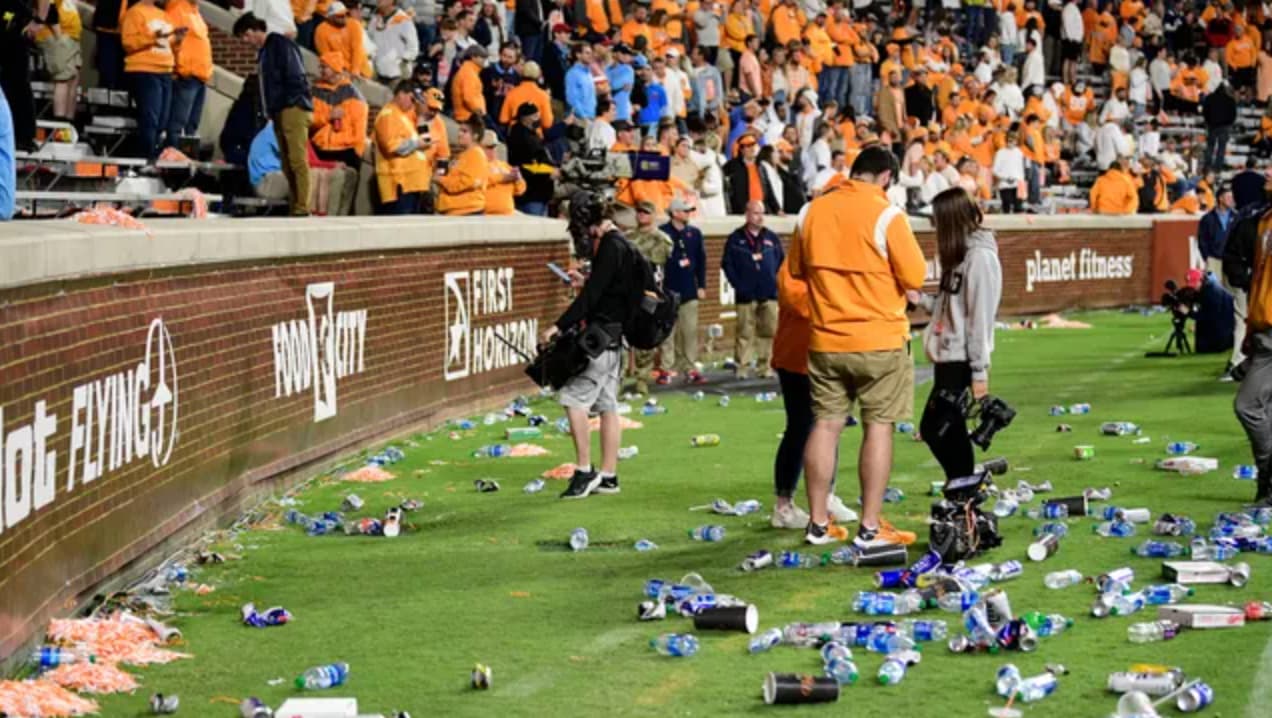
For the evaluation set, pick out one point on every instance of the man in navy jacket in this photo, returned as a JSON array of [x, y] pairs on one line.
[[686, 275], [752, 255]]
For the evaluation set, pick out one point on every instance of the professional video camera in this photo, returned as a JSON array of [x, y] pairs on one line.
[[597, 170], [1182, 302], [992, 413], [959, 529]]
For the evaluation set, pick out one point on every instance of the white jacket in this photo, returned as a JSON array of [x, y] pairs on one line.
[[711, 194], [396, 42]]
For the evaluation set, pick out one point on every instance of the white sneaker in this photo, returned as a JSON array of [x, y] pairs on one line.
[[789, 516], [840, 513]]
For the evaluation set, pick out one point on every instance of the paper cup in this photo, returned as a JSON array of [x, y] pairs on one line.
[[1044, 548], [728, 618], [793, 688]]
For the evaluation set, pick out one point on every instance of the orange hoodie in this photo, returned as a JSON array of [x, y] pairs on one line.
[[858, 255], [194, 51], [147, 52], [350, 131], [790, 341], [347, 41], [466, 95], [499, 194], [414, 172], [527, 91], [1114, 193], [463, 187]]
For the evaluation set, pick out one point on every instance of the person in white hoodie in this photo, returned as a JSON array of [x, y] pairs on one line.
[[1008, 99], [396, 40], [1034, 71], [959, 339]]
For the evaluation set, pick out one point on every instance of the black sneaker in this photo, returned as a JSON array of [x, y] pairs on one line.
[[821, 535], [609, 485], [581, 484]]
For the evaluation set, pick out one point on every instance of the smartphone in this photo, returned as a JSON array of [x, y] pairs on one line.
[[561, 273]]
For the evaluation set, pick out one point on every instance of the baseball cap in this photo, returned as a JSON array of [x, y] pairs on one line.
[[336, 9], [560, 27], [640, 62], [679, 205], [646, 206], [489, 139]]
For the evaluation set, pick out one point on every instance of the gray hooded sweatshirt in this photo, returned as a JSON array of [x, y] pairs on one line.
[[962, 326]]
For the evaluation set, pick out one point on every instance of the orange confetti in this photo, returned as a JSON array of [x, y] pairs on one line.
[[41, 698], [562, 472], [93, 678], [369, 475], [525, 450]]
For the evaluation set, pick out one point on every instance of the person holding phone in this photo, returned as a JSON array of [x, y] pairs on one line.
[[960, 336], [147, 38], [403, 155]]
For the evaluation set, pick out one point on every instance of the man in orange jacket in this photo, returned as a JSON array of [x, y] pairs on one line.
[[147, 37], [339, 129], [193, 51], [503, 182], [528, 91], [343, 34], [859, 257], [462, 187], [467, 98], [403, 155], [1115, 191]]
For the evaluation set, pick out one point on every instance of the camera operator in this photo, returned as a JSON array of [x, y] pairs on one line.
[[960, 334], [602, 306]]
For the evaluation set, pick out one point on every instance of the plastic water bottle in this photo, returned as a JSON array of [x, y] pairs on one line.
[[578, 539], [890, 604], [905, 427], [892, 671], [1006, 571], [1047, 624], [323, 677], [492, 451], [534, 486], [1006, 505], [1080, 409], [46, 657], [1036, 688], [645, 545], [1163, 593], [1051, 527], [834, 649], [765, 641], [707, 533], [765, 396], [628, 452], [1024, 492], [794, 559], [1127, 604], [843, 670], [679, 645], [698, 395], [1152, 631], [563, 425], [958, 601], [925, 631], [653, 410], [976, 623], [1158, 549], [1171, 525], [724, 401], [1245, 472], [893, 495], [809, 634], [1115, 529], [463, 424], [1049, 511], [884, 641], [705, 440], [1200, 550], [1062, 579], [1007, 680], [749, 506], [1181, 448]]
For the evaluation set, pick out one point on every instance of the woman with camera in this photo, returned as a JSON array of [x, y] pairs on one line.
[[959, 338]]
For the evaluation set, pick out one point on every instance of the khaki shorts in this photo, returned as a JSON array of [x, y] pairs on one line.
[[61, 57], [881, 382], [596, 389]]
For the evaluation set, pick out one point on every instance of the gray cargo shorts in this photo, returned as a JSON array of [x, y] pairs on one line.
[[596, 388]]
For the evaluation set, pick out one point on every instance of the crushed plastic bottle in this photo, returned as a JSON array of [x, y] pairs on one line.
[[645, 545], [1164, 593], [707, 533], [1115, 529], [893, 495], [1005, 571], [1159, 549], [1036, 688], [1080, 409], [1152, 631], [1007, 680], [1245, 472], [1062, 579], [923, 631], [843, 670], [275, 616], [1052, 527], [1200, 550], [724, 401], [1006, 505], [1046, 625], [578, 539], [765, 641], [976, 623], [882, 640], [678, 645], [1119, 428], [323, 677], [705, 440], [654, 410], [698, 395], [795, 559], [1172, 525], [534, 486], [1181, 448], [628, 452], [493, 451], [563, 425], [834, 649], [1127, 604], [809, 634]]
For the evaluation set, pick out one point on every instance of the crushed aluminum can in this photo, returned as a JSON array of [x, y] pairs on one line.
[[163, 705], [651, 611], [480, 678], [352, 502], [486, 486]]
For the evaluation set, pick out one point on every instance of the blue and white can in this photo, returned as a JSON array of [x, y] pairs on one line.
[[1195, 698], [1245, 472]]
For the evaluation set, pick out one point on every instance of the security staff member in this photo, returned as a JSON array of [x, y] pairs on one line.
[[752, 255]]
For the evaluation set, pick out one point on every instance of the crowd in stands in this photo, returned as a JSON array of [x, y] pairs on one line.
[[754, 101]]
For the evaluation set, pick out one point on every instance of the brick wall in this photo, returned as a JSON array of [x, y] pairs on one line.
[[200, 369], [231, 53]]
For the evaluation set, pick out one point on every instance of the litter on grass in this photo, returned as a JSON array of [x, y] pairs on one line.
[[560, 473], [527, 450], [119, 639], [41, 699], [595, 423], [100, 678], [368, 475]]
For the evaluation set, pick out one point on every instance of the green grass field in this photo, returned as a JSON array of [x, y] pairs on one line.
[[487, 577]]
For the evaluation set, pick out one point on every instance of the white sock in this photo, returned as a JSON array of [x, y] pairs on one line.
[[585, 469], [608, 475]]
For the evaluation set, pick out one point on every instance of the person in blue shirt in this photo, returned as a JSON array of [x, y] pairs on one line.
[[740, 119], [752, 255], [580, 88], [265, 165], [655, 99], [621, 78], [8, 169], [685, 274]]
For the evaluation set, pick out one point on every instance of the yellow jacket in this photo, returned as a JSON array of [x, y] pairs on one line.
[[462, 190], [147, 52], [499, 193], [413, 172], [1114, 193], [736, 28], [348, 132], [466, 95]]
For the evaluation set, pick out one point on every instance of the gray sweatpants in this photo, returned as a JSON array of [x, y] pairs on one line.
[[1254, 403]]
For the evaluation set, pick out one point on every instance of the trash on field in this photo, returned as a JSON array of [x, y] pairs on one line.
[[756, 561], [564, 471], [578, 539], [42, 698], [99, 678], [534, 486], [521, 433], [628, 452], [1119, 428], [1188, 465], [1063, 428], [1084, 452], [707, 533], [1245, 472], [323, 677], [792, 688], [352, 502], [368, 475], [705, 440], [486, 486], [122, 638], [651, 611], [481, 677], [645, 545], [163, 705], [275, 616], [728, 618], [675, 644], [1195, 615]]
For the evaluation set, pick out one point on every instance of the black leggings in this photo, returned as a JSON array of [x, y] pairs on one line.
[[944, 427], [797, 399]]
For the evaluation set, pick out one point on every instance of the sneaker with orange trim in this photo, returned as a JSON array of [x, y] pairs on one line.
[[821, 535], [905, 538]]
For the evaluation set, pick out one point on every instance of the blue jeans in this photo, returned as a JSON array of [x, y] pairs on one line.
[[187, 108], [832, 84], [406, 203], [426, 34], [861, 86], [977, 25], [152, 95], [110, 61], [1033, 178], [538, 209], [1216, 147], [1009, 54]]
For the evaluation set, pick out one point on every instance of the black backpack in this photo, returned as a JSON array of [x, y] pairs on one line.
[[654, 309]]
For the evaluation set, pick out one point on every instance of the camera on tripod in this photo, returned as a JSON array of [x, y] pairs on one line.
[[1182, 302]]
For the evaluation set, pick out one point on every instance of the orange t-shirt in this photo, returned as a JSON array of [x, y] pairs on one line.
[[755, 188]]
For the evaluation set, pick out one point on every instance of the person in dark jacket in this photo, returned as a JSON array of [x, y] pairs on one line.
[[1212, 232], [685, 274], [752, 255], [918, 98], [794, 194], [242, 124], [288, 102], [528, 25], [1220, 112], [604, 303], [498, 79], [107, 14], [16, 27], [527, 153], [556, 61], [747, 181]]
